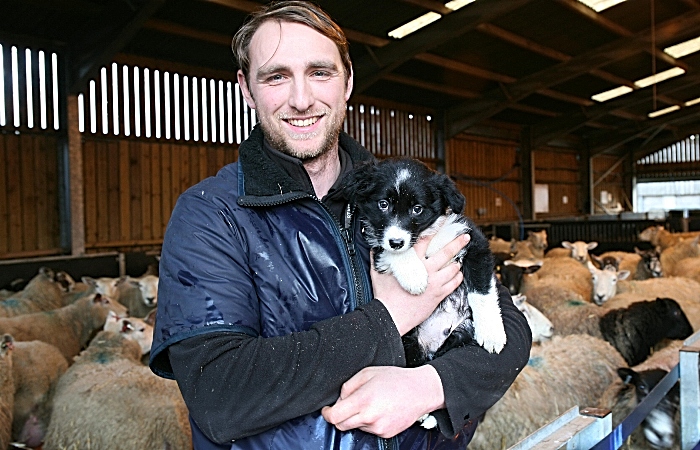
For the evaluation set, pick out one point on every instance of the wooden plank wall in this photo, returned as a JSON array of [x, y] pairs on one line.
[[611, 175], [561, 172], [29, 209], [486, 173], [131, 187]]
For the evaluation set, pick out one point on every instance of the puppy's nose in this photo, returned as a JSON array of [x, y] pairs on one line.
[[396, 243]]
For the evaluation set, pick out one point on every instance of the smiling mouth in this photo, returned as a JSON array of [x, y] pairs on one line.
[[303, 122]]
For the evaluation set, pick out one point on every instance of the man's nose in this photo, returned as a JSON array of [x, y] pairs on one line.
[[301, 96]]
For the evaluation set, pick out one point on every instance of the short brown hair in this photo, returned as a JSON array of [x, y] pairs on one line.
[[302, 12]]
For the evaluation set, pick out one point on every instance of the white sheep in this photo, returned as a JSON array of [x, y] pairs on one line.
[[658, 236], [563, 372], [69, 328], [7, 390], [139, 295], [605, 282], [42, 293], [131, 328], [37, 366], [107, 399], [104, 285], [561, 271], [540, 326], [674, 258], [577, 250]]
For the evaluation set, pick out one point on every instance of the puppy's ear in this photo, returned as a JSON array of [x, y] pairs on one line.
[[453, 198], [360, 182]]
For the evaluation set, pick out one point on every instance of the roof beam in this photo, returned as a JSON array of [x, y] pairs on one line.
[[370, 69], [495, 101], [665, 139], [430, 5], [96, 49]]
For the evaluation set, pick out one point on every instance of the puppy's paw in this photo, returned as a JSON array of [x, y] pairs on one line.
[[491, 337], [428, 421], [414, 285], [413, 278]]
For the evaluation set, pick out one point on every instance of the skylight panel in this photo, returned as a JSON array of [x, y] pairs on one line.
[[659, 77], [600, 5], [684, 48], [454, 5], [692, 102], [414, 25], [612, 93], [661, 112]]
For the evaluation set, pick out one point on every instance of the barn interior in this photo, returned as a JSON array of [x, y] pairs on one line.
[[547, 114]]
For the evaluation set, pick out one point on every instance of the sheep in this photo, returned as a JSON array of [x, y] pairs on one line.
[[577, 250], [42, 293], [511, 273], [675, 257], [538, 242], [498, 245], [7, 390], [103, 285], [649, 265], [540, 326], [658, 236], [683, 290], [37, 366], [139, 295], [69, 328], [564, 372], [565, 272], [605, 282], [132, 328], [636, 329], [107, 399]]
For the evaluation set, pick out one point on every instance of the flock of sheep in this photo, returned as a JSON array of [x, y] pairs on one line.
[[73, 354], [619, 319], [72, 367]]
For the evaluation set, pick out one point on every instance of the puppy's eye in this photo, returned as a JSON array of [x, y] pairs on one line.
[[417, 209], [383, 205]]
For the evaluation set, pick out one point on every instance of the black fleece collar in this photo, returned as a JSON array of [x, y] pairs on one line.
[[265, 178]]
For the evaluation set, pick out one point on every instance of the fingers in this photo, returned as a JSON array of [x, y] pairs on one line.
[[449, 251]]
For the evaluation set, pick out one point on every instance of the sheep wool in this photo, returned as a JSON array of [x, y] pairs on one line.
[[42, 293], [37, 366], [69, 328], [562, 373], [7, 390], [107, 399]]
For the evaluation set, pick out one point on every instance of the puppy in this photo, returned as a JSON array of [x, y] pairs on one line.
[[400, 200]]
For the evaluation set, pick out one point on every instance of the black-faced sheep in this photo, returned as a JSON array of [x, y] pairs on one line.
[[7, 390], [511, 273], [107, 399], [37, 366], [44, 292], [635, 330], [563, 372], [69, 328]]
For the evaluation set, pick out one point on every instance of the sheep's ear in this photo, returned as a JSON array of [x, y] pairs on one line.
[[638, 251], [622, 275], [530, 233], [567, 244], [591, 267], [597, 260], [89, 281], [591, 245], [150, 318], [47, 272], [533, 268], [519, 299]]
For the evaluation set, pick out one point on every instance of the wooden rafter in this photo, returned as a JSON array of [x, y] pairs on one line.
[[492, 102]]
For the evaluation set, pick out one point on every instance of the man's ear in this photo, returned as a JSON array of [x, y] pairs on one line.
[[348, 88], [244, 89]]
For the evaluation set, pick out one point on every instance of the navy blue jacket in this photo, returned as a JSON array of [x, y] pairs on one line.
[[250, 252]]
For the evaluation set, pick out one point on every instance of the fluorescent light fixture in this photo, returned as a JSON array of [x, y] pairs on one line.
[[661, 112], [612, 93], [414, 25], [684, 48], [692, 102], [454, 5], [600, 5], [659, 77]]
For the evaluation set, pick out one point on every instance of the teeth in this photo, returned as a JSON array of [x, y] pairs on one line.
[[303, 123]]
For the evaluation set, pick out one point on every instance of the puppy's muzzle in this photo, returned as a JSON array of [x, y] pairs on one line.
[[396, 243]]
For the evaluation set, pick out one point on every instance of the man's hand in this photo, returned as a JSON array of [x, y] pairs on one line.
[[444, 277], [386, 400]]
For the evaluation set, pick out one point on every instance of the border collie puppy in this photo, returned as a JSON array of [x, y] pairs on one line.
[[400, 200]]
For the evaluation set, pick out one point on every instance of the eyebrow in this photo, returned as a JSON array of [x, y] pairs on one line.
[[263, 72]]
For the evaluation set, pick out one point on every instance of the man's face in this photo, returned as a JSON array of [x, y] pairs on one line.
[[297, 87]]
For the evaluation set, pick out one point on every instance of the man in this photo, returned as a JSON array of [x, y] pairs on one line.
[[267, 318]]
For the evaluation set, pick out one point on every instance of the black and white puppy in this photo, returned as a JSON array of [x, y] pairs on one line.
[[400, 200]]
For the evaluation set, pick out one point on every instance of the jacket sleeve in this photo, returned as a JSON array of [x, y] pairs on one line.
[[474, 379], [236, 385]]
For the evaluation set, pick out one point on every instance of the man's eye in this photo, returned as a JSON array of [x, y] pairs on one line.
[[417, 209], [383, 205], [321, 74], [275, 78]]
